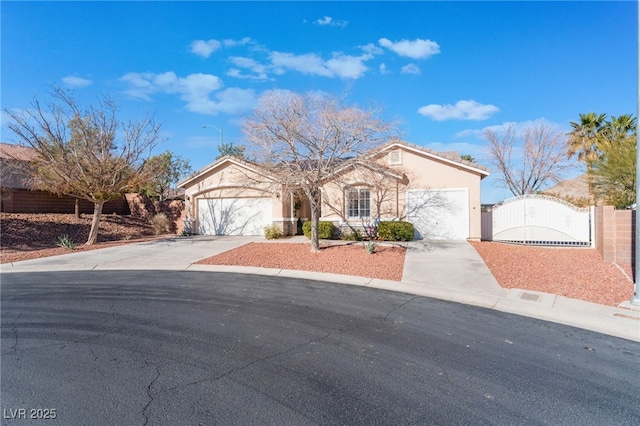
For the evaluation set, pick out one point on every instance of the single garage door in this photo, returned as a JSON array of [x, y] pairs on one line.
[[439, 214], [233, 216]]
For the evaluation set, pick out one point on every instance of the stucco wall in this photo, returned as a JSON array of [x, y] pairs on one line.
[[422, 172], [426, 172], [385, 194], [231, 180]]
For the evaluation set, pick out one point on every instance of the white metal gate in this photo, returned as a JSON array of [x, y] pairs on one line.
[[538, 220]]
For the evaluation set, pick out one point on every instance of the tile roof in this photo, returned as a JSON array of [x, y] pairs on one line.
[[16, 152], [446, 155]]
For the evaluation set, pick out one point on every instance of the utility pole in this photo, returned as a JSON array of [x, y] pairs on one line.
[[635, 299], [219, 129]]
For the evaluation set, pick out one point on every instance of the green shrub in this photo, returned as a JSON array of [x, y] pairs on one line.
[[66, 242], [353, 236], [160, 223], [395, 231], [325, 230], [272, 232]]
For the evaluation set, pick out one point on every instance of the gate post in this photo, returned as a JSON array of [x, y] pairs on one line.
[[592, 226]]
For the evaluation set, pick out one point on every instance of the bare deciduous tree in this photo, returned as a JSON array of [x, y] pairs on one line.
[[87, 154], [302, 138], [382, 183], [528, 159]]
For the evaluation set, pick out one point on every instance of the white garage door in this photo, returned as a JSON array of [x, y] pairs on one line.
[[233, 216], [439, 214]]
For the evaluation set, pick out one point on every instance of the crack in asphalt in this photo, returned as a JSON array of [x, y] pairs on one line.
[[14, 332], [250, 363], [400, 306], [148, 390]]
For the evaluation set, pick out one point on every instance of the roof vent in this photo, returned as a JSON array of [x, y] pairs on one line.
[[394, 158]]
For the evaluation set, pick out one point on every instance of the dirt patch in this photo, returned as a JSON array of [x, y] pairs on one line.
[[578, 273], [386, 263], [31, 236]]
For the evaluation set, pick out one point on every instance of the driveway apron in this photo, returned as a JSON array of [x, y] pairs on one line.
[[166, 254], [454, 265]]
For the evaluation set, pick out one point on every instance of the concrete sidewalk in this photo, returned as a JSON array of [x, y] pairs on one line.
[[445, 270]]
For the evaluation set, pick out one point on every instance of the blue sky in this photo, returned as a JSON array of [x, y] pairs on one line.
[[445, 70]]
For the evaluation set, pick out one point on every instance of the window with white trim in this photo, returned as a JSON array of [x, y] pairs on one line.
[[358, 203]]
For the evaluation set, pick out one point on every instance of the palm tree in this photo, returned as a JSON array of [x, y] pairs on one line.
[[583, 142], [620, 128]]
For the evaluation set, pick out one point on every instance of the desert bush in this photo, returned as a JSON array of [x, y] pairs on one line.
[[395, 231], [66, 242], [370, 247], [325, 230], [352, 236], [159, 223], [272, 232]]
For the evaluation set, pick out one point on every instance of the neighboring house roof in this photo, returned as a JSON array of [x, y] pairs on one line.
[[16, 152], [14, 159]]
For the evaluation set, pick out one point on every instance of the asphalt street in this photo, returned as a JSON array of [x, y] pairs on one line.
[[179, 347]]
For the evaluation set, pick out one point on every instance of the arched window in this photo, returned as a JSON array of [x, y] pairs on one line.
[[358, 203]]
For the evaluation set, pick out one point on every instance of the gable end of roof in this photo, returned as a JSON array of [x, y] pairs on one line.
[[449, 157]]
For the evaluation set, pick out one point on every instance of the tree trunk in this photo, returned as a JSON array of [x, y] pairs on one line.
[[77, 208], [95, 223], [315, 242], [592, 198]]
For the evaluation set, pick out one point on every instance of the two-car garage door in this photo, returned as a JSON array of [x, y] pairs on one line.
[[439, 214], [435, 214], [233, 216]]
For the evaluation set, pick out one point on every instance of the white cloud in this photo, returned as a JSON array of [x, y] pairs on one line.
[[191, 87], [204, 48], [344, 66], [241, 42], [258, 70], [347, 66], [235, 100], [519, 126], [76, 82], [371, 49], [328, 20], [416, 49], [462, 110], [410, 69], [383, 69], [308, 63], [195, 89]]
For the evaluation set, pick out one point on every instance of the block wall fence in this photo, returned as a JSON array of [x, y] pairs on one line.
[[615, 234]]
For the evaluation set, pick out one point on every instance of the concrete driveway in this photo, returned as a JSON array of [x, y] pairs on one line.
[[169, 253], [452, 265]]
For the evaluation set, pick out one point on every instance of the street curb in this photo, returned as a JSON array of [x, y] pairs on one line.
[[617, 322], [622, 321]]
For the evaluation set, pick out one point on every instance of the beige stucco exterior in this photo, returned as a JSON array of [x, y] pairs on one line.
[[409, 168], [233, 178], [405, 168]]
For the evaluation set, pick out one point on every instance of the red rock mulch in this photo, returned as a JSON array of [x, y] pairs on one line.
[[386, 263], [578, 273]]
